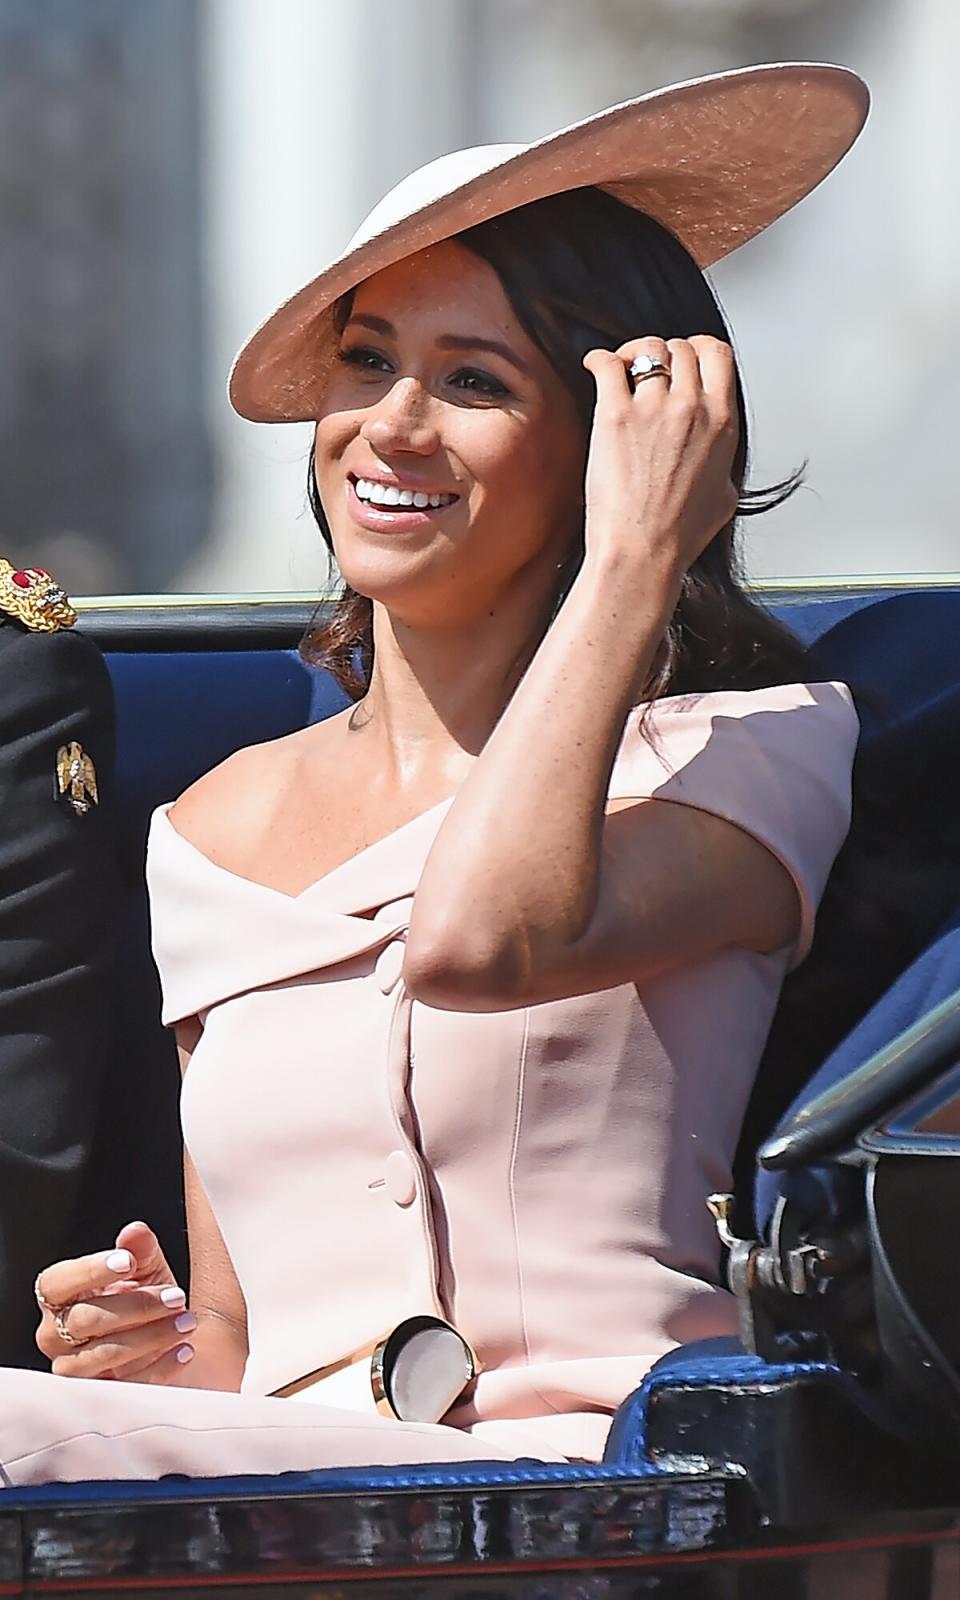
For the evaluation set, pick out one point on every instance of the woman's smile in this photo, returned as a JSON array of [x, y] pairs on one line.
[[395, 505]]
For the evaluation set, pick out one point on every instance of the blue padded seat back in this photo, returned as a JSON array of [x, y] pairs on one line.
[[811, 619], [886, 939], [934, 976], [181, 713], [178, 715]]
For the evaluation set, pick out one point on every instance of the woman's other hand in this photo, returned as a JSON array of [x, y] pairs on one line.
[[658, 481], [124, 1310]]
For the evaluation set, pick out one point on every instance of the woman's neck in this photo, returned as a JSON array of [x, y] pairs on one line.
[[437, 691]]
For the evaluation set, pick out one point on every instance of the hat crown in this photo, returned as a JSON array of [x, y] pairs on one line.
[[428, 183]]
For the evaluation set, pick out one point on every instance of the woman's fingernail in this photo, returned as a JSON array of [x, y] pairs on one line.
[[185, 1353], [185, 1323], [172, 1296], [120, 1261]]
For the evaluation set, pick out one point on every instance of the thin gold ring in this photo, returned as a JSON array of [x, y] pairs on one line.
[[62, 1329], [41, 1299]]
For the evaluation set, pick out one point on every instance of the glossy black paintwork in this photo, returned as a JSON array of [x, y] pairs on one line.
[[676, 1538]]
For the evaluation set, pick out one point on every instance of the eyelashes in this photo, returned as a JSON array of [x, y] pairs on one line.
[[470, 381], [366, 360]]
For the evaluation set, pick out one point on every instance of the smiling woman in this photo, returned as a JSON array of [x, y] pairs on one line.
[[470, 981]]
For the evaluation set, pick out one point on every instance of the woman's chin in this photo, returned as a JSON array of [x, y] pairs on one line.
[[378, 567], [393, 581]]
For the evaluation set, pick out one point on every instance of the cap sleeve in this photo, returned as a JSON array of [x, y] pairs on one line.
[[775, 762]]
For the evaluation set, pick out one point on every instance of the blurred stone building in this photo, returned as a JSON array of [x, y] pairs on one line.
[[170, 171]]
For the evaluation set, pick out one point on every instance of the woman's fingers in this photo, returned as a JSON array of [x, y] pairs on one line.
[[610, 376], [109, 1315], [715, 360], [111, 1318], [159, 1369], [114, 1355], [136, 1256], [659, 469], [718, 379], [143, 1244], [84, 1276], [118, 1309]]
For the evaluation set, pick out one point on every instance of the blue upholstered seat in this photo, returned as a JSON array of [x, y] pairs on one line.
[[180, 713], [902, 654]]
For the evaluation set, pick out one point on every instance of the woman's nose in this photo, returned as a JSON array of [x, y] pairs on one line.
[[402, 420]]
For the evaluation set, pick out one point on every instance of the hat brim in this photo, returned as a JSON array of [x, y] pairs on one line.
[[716, 160]]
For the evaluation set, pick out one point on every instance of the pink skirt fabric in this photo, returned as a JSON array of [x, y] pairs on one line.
[[67, 1430]]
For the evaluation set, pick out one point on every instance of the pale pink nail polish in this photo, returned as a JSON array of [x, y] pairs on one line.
[[185, 1353], [172, 1296], [120, 1261], [185, 1323]]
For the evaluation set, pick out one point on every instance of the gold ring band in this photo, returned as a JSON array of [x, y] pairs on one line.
[[62, 1329], [41, 1299]]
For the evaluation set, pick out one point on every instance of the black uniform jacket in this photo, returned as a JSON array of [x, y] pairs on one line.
[[57, 916]]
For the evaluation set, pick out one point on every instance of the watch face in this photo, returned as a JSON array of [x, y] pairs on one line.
[[421, 1370]]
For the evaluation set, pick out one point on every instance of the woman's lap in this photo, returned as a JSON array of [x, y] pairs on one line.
[[63, 1430]]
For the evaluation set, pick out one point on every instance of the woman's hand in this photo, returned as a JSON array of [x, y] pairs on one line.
[[123, 1308], [658, 482]]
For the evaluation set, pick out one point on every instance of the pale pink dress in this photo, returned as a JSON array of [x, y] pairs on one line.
[[538, 1176]]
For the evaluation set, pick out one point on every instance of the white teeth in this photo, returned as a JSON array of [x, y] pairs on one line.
[[382, 494]]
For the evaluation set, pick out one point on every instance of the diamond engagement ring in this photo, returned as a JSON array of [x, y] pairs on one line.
[[647, 367]]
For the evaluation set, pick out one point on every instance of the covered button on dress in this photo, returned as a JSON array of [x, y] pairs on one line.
[[537, 1175]]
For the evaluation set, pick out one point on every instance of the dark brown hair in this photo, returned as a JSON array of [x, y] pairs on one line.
[[583, 270]]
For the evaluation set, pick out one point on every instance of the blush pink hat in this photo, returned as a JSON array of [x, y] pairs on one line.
[[715, 160]]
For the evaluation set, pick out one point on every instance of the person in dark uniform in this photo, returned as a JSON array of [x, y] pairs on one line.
[[57, 912]]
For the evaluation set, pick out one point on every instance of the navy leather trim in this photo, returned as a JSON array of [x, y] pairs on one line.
[[626, 1445], [326, 1480]]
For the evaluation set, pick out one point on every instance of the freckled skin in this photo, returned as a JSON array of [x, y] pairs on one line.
[[465, 421]]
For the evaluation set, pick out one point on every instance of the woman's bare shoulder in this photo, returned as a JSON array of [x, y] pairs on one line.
[[231, 810]]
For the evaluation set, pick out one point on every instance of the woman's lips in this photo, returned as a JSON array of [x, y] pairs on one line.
[[392, 519]]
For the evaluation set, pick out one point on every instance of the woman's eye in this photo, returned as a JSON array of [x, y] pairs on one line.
[[479, 383], [366, 359]]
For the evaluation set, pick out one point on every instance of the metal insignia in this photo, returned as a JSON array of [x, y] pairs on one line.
[[76, 778], [35, 599]]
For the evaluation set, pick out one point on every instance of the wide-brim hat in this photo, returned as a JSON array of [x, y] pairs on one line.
[[716, 160]]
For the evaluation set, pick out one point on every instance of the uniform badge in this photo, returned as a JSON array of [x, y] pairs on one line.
[[76, 778], [35, 599]]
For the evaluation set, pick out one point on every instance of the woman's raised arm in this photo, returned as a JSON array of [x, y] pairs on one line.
[[528, 894]]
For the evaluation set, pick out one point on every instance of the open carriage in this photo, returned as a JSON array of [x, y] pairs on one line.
[[821, 1457]]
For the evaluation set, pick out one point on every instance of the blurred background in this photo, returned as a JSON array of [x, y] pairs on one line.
[[171, 169]]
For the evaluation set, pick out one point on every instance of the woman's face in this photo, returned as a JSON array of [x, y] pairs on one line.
[[439, 397]]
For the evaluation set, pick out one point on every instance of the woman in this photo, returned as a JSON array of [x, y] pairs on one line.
[[470, 982]]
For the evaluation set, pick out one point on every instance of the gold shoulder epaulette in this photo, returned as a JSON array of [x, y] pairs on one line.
[[35, 599]]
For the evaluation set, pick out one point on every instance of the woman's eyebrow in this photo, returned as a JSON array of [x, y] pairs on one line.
[[449, 341], [453, 341]]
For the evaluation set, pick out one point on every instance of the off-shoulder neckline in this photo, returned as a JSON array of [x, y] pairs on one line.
[[354, 863], [162, 817]]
